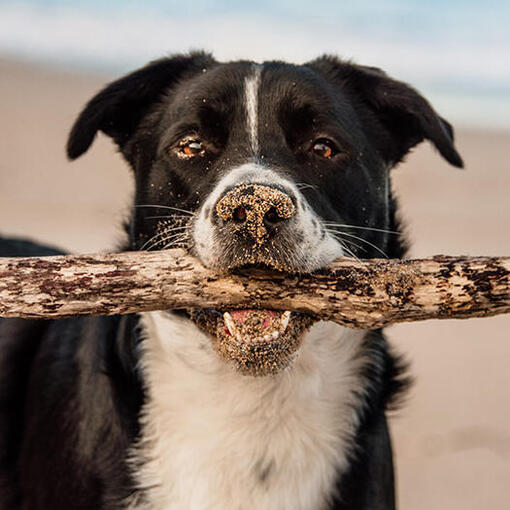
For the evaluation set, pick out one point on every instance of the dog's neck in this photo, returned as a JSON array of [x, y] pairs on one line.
[[213, 438]]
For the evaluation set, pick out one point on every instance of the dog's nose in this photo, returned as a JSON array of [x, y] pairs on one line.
[[256, 208]]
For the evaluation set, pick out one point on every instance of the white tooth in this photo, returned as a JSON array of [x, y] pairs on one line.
[[284, 321], [267, 337], [275, 334], [229, 321]]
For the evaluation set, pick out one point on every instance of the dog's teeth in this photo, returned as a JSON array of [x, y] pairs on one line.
[[229, 321], [275, 334], [285, 321], [267, 338]]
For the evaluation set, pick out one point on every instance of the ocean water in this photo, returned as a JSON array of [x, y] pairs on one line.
[[457, 52]]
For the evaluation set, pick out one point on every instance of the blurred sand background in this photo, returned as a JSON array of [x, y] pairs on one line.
[[452, 439]]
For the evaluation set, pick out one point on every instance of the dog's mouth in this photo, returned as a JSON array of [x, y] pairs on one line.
[[256, 342]]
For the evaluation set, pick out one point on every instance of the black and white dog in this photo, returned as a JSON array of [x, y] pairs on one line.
[[244, 164]]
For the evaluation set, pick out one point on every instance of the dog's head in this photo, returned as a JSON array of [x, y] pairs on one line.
[[273, 164]]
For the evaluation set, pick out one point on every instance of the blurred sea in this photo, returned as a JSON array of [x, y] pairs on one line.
[[457, 52]]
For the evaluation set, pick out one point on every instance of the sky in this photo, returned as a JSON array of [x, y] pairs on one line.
[[456, 52]]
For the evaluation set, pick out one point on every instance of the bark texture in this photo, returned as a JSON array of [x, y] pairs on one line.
[[359, 294]]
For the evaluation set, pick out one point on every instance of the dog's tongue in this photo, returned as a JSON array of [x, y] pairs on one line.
[[255, 326]]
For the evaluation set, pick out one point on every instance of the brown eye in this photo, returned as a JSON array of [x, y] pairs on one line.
[[189, 147], [324, 148]]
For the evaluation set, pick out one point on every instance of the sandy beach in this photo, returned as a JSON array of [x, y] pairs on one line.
[[452, 438]]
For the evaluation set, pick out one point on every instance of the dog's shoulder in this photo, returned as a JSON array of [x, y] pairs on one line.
[[69, 402]]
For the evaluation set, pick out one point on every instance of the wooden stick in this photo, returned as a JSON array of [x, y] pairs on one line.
[[359, 294]]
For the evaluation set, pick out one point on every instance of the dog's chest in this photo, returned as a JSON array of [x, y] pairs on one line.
[[214, 439]]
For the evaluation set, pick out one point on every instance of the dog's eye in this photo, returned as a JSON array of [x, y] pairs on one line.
[[324, 148], [190, 147]]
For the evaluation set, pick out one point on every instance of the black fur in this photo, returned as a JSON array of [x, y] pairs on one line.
[[70, 393]]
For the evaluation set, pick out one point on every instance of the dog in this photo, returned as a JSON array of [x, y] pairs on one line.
[[244, 165]]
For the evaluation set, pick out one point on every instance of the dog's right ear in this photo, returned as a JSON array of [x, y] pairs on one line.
[[119, 107]]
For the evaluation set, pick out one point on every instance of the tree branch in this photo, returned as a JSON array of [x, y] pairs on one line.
[[359, 294]]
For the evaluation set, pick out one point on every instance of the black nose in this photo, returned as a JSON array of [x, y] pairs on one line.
[[256, 208]]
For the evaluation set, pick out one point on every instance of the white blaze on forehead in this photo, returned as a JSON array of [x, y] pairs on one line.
[[251, 89]]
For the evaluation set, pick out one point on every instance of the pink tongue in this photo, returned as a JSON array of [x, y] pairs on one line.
[[242, 316]]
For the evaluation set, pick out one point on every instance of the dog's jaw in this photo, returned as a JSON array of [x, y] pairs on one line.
[[282, 439], [254, 342]]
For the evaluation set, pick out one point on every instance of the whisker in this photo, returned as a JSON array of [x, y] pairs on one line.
[[364, 241], [150, 240], [161, 236], [347, 249], [167, 216], [168, 230], [175, 242], [352, 243], [168, 238], [304, 185], [191, 213], [344, 225], [162, 233], [335, 233], [343, 243]]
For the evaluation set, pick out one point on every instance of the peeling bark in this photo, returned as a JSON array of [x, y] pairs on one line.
[[358, 294]]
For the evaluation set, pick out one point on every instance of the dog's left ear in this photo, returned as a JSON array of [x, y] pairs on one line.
[[120, 106], [402, 112]]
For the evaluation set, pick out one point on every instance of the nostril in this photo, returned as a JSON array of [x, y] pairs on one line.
[[239, 214], [271, 217]]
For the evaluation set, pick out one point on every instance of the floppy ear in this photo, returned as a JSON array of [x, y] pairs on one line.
[[119, 107], [404, 113]]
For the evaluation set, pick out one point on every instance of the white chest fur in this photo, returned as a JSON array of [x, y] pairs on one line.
[[214, 439]]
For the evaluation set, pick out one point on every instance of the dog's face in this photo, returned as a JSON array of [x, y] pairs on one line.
[[274, 164]]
